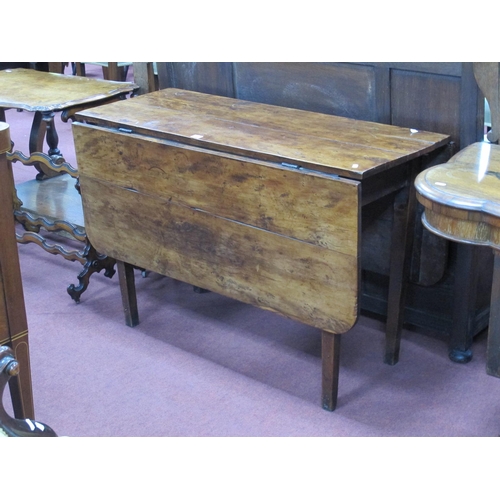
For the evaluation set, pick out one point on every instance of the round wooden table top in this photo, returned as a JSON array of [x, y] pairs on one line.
[[462, 197]]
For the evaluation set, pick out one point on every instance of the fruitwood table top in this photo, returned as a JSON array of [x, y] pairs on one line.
[[350, 148], [33, 90]]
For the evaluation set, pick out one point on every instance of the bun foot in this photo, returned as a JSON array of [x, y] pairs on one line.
[[459, 356]]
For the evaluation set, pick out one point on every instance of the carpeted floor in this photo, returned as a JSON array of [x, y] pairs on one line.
[[204, 365]]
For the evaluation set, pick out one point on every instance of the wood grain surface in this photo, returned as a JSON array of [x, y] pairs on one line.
[[223, 223], [33, 90], [351, 148], [462, 197]]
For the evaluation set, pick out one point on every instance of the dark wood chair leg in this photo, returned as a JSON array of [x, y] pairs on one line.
[[493, 347], [129, 296], [330, 359]]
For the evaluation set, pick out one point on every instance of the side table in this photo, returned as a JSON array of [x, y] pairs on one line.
[[462, 203], [50, 201]]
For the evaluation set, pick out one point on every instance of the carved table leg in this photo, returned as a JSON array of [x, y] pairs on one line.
[[127, 288], [12, 427], [52, 137], [464, 303], [43, 127], [493, 349], [330, 358], [95, 263], [399, 274]]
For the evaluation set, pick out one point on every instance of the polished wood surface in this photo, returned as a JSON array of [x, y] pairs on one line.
[[13, 321], [463, 196], [234, 187], [60, 92], [462, 203], [332, 144], [260, 203], [226, 224]]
